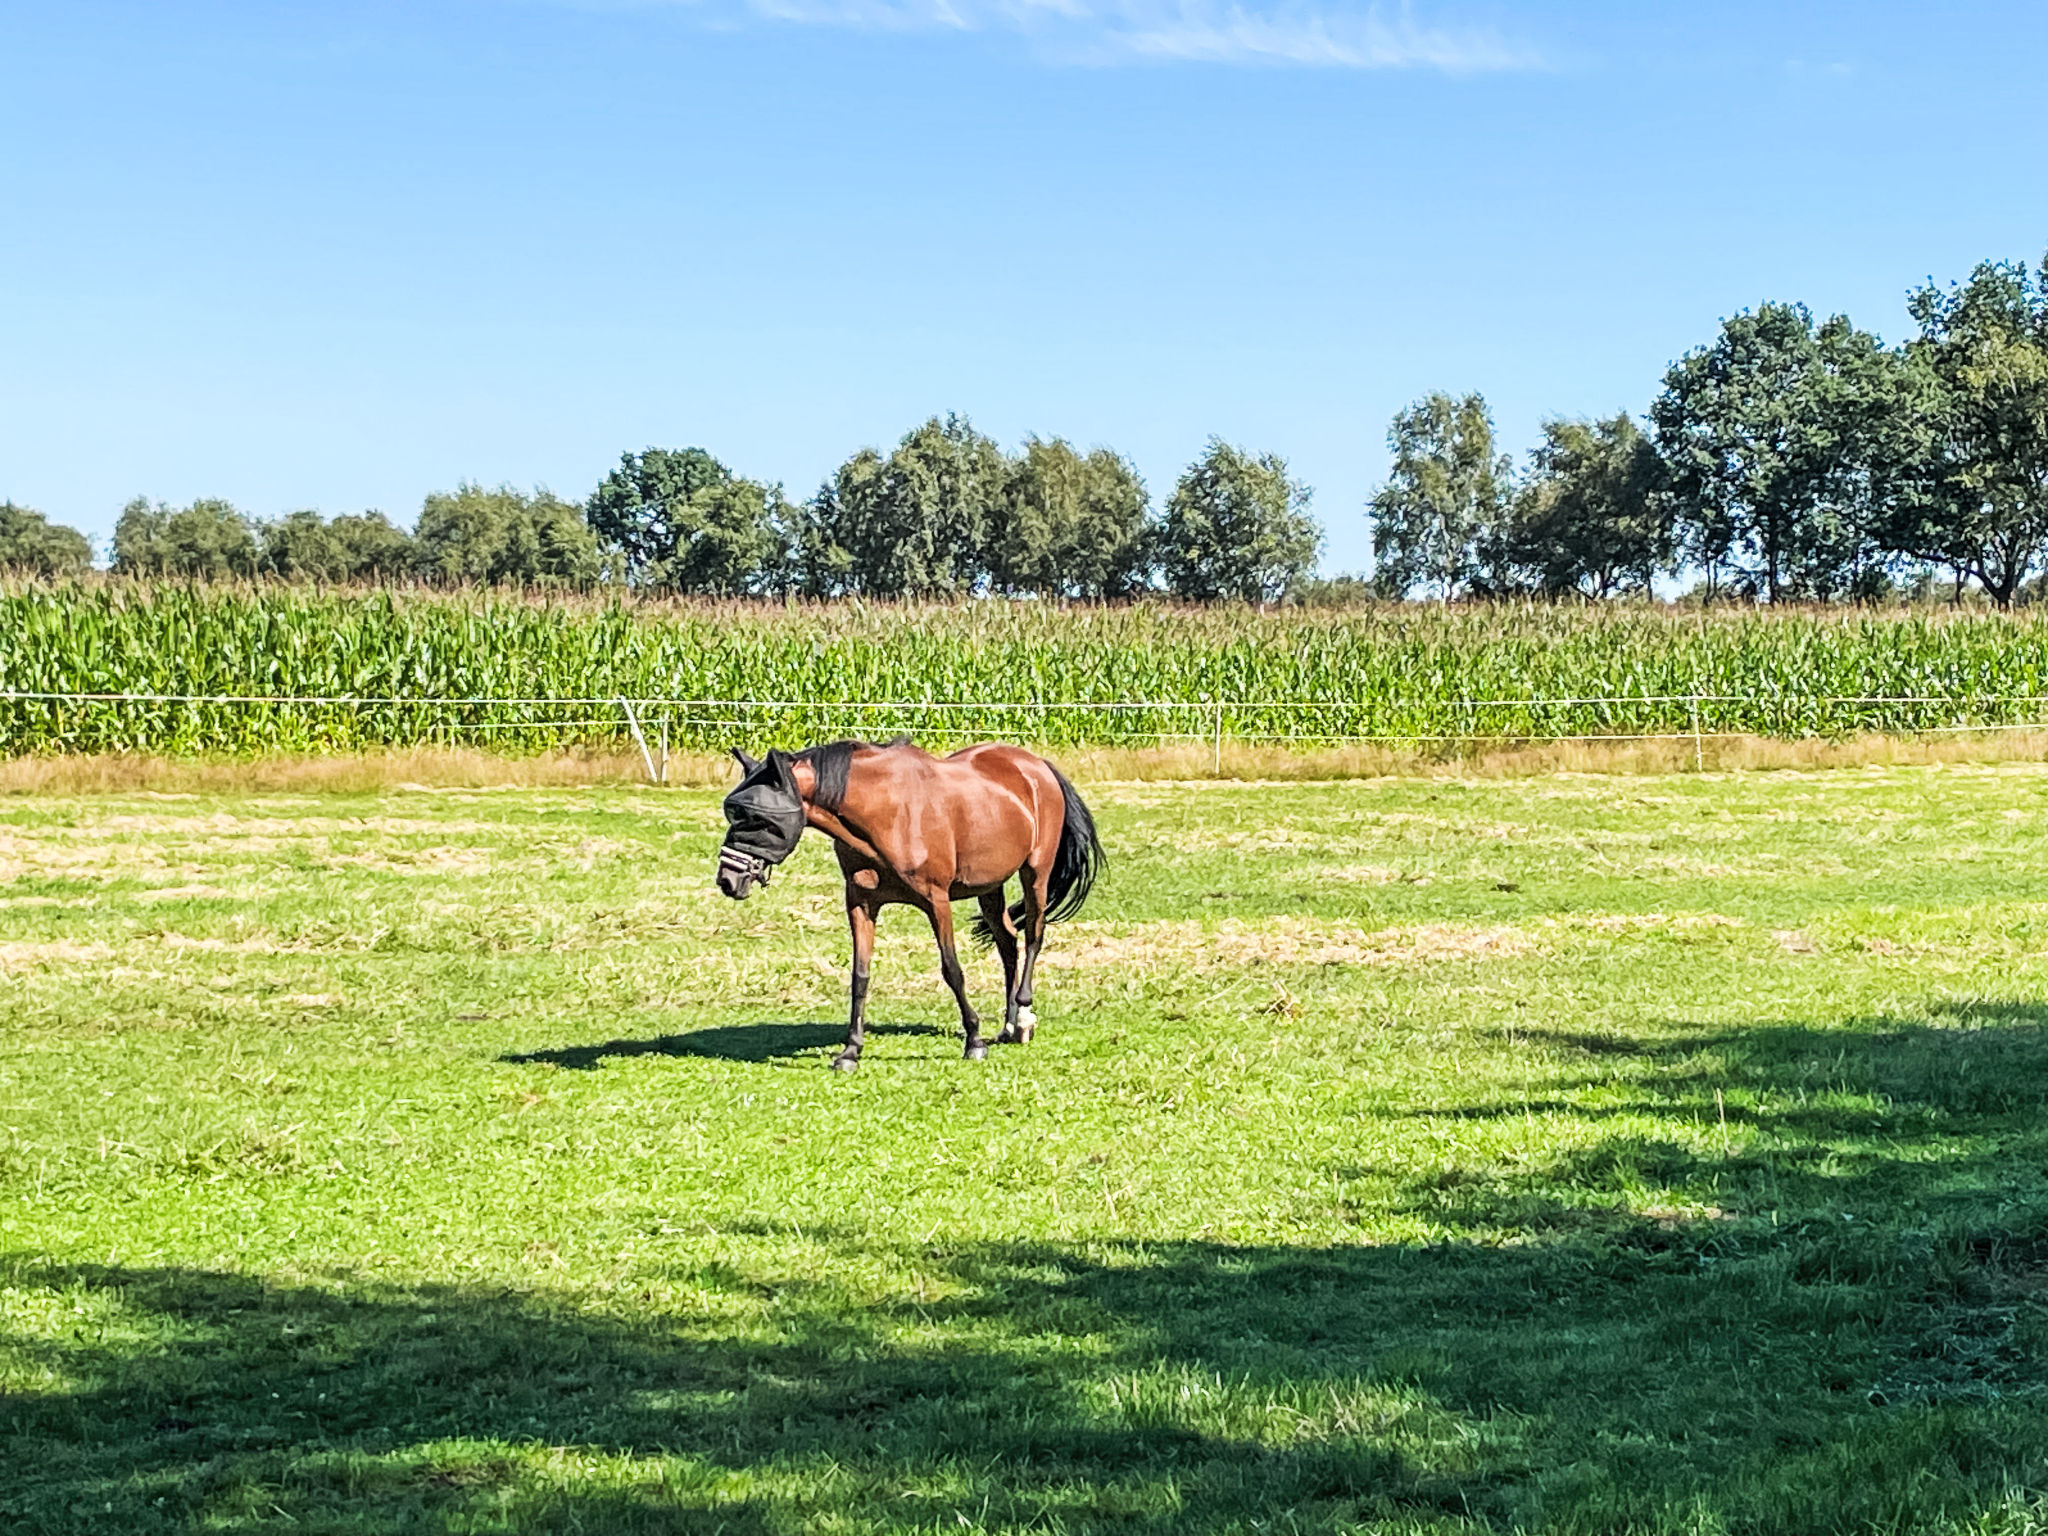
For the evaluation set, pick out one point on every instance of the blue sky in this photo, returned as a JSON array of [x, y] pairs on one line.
[[339, 255]]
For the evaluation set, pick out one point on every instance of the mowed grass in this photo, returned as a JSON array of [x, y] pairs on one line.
[[1571, 1154]]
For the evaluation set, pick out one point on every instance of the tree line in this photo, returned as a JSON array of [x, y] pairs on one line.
[[946, 512], [1786, 459]]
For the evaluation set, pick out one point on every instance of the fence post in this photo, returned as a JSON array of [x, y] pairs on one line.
[[1699, 756], [662, 776], [1219, 739], [633, 724]]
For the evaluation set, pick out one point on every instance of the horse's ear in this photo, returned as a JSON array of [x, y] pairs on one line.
[[747, 764]]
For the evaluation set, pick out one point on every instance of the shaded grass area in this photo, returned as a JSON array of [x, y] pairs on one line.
[[1567, 1155]]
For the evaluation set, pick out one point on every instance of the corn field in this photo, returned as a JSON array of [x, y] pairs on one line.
[[252, 669]]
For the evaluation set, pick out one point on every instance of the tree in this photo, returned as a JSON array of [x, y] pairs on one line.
[[686, 522], [914, 524], [1069, 525], [1979, 500], [207, 539], [359, 547], [1237, 526], [1438, 521], [503, 535], [1770, 438], [300, 546], [818, 564], [1591, 517], [372, 548], [32, 544]]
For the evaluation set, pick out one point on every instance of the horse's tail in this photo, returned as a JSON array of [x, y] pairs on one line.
[[1075, 864], [1079, 860]]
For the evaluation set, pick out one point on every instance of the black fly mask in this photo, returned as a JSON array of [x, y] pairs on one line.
[[767, 817]]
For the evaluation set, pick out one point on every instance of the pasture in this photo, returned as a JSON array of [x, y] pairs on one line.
[[1574, 1153]]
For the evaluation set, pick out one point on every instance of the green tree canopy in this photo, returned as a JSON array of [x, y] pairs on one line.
[[1979, 500], [1590, 517], [915, 523], [1069, 525], [355, 547], [504, 535], [31, 543], [1771, 438], [372, 548], [208, 539], [299, 546], [686, 522], [1237, 526], [1438, 522]]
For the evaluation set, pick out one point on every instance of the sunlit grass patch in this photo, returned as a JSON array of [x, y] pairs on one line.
[[1661, 1157]]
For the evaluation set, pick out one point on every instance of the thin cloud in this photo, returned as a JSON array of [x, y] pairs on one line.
[[1236, 34], [1103, 32]]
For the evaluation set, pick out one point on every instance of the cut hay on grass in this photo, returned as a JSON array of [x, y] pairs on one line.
[[353, 773], [471, 768]]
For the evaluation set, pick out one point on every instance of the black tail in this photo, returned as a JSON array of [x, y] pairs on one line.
[[1075, 865]]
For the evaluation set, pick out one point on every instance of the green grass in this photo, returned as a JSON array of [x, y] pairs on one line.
[[1425, 675], [1570, 1154]]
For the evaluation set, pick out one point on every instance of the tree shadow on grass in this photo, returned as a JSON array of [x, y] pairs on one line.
[[205, 1398], [757, 1043], [1890, 1155], [1142, 1388], [1786, 1115], [1619, 1370]]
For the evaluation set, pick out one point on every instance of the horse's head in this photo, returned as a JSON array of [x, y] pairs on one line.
[[766, 816]]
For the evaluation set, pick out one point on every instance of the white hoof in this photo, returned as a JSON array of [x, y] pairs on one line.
[[1026, 1018]]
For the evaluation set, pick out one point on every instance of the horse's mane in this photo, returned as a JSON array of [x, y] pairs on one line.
[[830, 761]]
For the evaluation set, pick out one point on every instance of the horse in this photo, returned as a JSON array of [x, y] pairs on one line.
[[925, 832]]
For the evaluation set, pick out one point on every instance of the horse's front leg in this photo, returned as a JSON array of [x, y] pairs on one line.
[[860, 915], [949, 966]]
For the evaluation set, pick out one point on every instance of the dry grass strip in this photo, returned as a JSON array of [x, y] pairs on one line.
[[1189, 946], [469, 768]]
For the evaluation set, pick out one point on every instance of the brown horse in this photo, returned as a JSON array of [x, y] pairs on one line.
[[925, 831]]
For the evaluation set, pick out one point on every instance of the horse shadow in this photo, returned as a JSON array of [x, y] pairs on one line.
[[754, 1043]]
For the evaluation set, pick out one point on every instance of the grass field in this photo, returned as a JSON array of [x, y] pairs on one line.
[[1567, 1153]]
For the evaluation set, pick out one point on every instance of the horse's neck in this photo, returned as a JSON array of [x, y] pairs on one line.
[[835, 827], [831, 823]]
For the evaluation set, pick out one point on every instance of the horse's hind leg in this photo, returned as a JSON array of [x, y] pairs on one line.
[[861, 917], [1035, 902], [949, 967], [997, 917]]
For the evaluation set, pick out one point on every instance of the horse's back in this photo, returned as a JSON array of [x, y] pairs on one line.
[[989, 757], [972, 819], [972, 786]]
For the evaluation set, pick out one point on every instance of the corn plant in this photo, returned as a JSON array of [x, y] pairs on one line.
[[252, 669]]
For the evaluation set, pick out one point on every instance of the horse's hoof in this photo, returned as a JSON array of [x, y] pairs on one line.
[[977, 1052], [844, 1063], [1009, 1036], [1026, 1020]]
